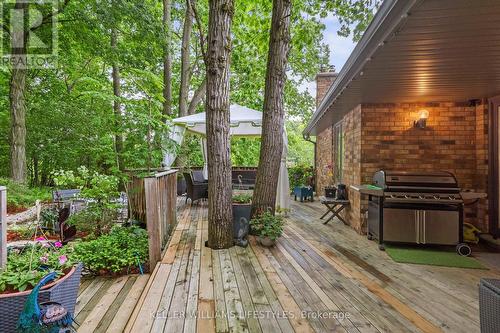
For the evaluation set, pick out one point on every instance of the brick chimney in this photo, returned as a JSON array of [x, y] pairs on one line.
[[324, 80]]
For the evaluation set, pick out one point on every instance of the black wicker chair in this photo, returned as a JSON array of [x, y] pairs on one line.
[[489, 305], [196, 190]]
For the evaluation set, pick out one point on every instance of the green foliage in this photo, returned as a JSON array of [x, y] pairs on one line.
[[116, 252], [25, 231], [242, 198], [101, 190], [70, 119], [49, 217], [299, 150], [94, 221], [189, 154], [268, 225], [68, 179], [301, 175], [22, 196], [27, 266], [245, 151], [93, 185]]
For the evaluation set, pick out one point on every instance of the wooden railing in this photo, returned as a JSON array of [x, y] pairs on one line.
[[153, 200], [3, 226]]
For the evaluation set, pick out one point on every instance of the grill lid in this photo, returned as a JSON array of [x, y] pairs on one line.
[[410, 181]]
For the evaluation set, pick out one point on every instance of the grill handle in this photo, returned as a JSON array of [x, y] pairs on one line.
[[417, 225], [423, 225]]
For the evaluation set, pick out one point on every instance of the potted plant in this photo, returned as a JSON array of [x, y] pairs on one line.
[[268, 228], [330, 190], [25, 268], [242, 208], [302, 180]]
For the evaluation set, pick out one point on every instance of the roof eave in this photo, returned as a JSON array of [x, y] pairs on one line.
[[390, 16]]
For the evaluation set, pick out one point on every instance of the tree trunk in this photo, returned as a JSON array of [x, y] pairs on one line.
[[116, 103], [185, 64], [197, 97], [264, 197], [220, 219], [167, 60], [16, 98]]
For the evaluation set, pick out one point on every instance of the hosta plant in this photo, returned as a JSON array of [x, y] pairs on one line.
[[123, 250]]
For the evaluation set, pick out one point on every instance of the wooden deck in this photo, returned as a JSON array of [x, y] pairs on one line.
[[105, 304], [317, 279]]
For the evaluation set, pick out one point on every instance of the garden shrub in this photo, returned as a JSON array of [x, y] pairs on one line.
[[20, 197], [301, 175], [100, 191], [120, 251]]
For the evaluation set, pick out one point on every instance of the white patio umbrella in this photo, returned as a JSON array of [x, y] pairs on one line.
[[244, 122]]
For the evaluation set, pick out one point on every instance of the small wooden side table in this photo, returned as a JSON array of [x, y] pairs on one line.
[[334, 207]]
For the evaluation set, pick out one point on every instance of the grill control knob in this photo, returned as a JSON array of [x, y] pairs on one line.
[[437, 197]]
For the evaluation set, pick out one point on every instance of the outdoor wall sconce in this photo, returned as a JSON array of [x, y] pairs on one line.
[[422, 120]]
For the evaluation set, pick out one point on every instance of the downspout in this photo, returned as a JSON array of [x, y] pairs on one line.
[[307, 137]]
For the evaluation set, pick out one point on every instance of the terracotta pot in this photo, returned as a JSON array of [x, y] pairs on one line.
[[63, 291], [266, 241]]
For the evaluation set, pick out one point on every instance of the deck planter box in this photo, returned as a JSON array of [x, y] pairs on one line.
[[303, 192], [63, 291], [241, 219]]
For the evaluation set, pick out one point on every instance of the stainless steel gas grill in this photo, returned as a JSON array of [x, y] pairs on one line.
[[416, 208]]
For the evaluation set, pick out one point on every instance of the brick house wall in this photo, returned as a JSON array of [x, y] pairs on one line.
[[324, 140], [482, 159], [448, 143], [382, 136], [351, 169], [324, 158]]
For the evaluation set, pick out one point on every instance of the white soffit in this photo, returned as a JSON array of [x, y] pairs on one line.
[[419, 51]]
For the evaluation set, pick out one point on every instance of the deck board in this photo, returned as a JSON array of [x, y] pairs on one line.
[[314, 270], [427, 289]]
